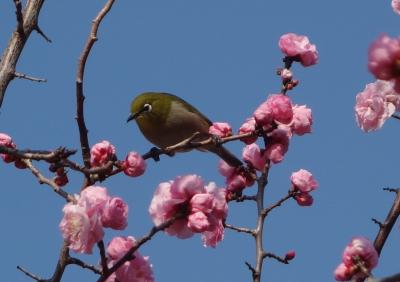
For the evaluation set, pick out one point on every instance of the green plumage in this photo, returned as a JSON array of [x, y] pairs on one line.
[[165, 120]]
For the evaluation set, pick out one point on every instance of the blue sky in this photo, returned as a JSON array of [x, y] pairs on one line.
[[220, 56]]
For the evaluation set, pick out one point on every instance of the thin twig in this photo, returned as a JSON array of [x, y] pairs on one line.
[[103, 257], [278, 258], [388, 224], [42, 34], [27, 77], [393, 278], [83, 132], [396, 116], [83, 264], [290, 195], [31, 275], [240, 229], [44, 180], [38, 155]]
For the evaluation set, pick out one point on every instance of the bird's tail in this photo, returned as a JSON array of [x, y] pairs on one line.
[[226, 155]]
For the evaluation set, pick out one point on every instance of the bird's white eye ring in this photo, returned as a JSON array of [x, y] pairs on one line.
[[147, 107]]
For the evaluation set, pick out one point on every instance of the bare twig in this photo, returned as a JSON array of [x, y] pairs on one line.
[[290, 195], [27, 77], [44, 180], [17, 42], [240, 229], [38, 155], [387, 225], [128, 255], [83, 264], [103, 257], [42, 34], [393, 278], [92, 38], [275, 257], [396, 116], [31, 275]]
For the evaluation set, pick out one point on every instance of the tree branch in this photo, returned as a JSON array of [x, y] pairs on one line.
[[79, 84], [27, 77], [11, 54], [387, 225]]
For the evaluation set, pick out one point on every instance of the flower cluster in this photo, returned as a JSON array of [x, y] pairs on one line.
[[236, 178], [136, 270], [6, 141], [359, 253], [396, 6], [198, 208], [221, 129], [103, 152], [299, 48], [83, 221], [378, 102], [279, 119], [303, 183]]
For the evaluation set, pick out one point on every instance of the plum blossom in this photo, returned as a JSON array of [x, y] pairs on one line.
[[359, 250], [277, 107], [83, 221], [115, 214], [6, 140], [221, 129], [134, 164], [396, 6], [236, 179], [253, 155], [303, 182], [384, 58], [101, 153], [302, 120], [376, 104], [138, 269], [199, 208], [278, 143], [248, 126], [299, 48]]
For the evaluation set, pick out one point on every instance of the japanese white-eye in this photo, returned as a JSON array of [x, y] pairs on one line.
[[165, 120]]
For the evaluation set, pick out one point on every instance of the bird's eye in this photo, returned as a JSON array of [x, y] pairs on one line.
[[147, 107]]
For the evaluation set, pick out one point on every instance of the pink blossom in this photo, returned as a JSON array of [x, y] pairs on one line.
[[360, 249], [303, 181], [343, 273], [302, 120], [79, 230], [136, 270], [225, 169], [221, 129], [304, 199], [6, 140], [211, 237], [101, 153], [383, 57], [263, 115], [253, 155], [281, 108], [93, 199], [299, 47], [278, 143], [375, 105], [248, 126], [201, 208], [396, 6], [115, 214], [134, 164], [236, 182]]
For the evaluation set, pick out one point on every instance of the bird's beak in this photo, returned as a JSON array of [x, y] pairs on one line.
[[135, 115]]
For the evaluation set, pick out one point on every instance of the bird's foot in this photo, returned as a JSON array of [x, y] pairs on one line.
[[217, 140], [155, 153]]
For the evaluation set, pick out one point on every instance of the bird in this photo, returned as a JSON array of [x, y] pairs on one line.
[[165, 120]]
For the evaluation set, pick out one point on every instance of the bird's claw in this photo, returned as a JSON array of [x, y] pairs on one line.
[[217, 140]]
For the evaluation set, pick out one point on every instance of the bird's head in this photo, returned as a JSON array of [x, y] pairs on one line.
[[150, 106]]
